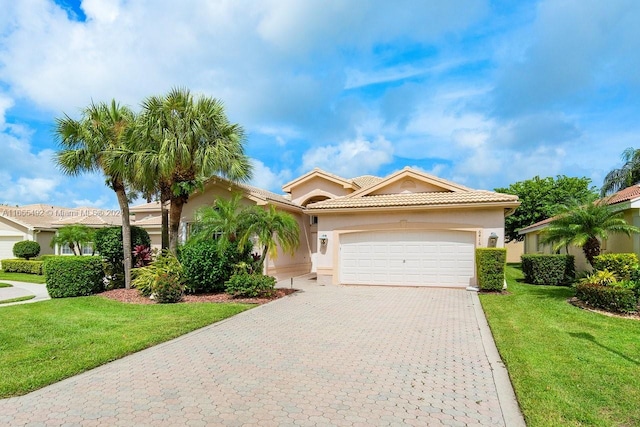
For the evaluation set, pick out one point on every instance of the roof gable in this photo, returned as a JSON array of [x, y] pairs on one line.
[[319, 173]]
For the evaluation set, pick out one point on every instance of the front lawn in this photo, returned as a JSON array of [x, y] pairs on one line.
[[569, 367], [46, 342], [22, 277]]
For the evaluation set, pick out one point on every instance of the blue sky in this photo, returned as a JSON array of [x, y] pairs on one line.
[[484, 93]]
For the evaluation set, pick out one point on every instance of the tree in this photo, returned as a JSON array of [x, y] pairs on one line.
[[625, 176], [272, 227], [225, 218], [542, 198], [76, 236], [188, 140], [585, 226], [95, 143]]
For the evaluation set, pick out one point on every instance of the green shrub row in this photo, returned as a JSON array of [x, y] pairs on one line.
[[610, 298], [621, 265], [251, 285], [491, 263], [22, 266], [544, 269], [72, 276], [26, 249]]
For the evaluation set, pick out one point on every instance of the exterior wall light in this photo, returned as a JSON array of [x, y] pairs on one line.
[[324, 239], [493, 240]]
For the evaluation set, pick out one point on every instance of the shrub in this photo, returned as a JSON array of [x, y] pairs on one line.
[[250, 285], [490, 263], [163, 279], [209, 264], [72, 276], [610, 298], [26, 249], [621, 265], [22, 266], [601, 277], [629, 284], [555, 269], [108, 243]]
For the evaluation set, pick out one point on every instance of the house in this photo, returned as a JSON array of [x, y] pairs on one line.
[[40, 222], [626, 200], [409, 228]]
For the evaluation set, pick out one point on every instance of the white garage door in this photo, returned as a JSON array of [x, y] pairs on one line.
[[6, 246], [414, 258]]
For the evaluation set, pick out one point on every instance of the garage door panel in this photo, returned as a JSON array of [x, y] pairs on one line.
[[422, 258]]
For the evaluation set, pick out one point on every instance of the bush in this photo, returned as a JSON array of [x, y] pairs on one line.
[[490, 263], [108, 243], [610, 298], [209, 264], [22, 266], [73, 276], [621, 265], [26, 249], [163, 279], [552, 269], [250, 285]]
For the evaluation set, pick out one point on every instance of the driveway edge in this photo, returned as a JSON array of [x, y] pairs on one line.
[[506, 395]]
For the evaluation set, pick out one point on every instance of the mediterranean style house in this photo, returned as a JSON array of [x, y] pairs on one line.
[[406, 229], [409, 228]]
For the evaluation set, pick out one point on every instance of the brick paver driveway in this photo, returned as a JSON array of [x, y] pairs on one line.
[[329, 355]]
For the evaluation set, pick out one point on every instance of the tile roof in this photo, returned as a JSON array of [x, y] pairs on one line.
[[625, 195], [149, 220], [415, 199], [365, 181]]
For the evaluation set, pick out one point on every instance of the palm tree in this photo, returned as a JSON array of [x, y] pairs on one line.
[[75, 236], [225, 218], [626, 176], [272, 228], [95, 143], [585, 226], [188, 140]]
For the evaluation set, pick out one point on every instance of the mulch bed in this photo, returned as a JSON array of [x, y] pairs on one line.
[[132, 296], [575, 301]]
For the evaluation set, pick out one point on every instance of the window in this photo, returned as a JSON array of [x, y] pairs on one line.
[[313, 220], [66, 250]]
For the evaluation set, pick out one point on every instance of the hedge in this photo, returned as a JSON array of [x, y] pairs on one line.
[[490, 263], [22, 266], [621, 265], [73, 276], [544, 269], [250, 285], [26, 249], [610, 298]]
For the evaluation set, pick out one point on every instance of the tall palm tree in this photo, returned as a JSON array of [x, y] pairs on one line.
[[271, 228], [94, 143], [585, 226], [626, 176], [188, 140]]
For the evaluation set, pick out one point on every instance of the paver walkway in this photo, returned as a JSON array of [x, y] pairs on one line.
[[352, 356]]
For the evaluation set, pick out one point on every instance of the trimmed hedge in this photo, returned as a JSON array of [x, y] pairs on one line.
[[610, 298], [490, 263], [250, 285], [545, 269], [73, 276], [22, 266], [26, 249], [621, 265], [209, 264]]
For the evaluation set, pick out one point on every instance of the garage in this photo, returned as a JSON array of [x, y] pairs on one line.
[[6, 246], [408, 258]]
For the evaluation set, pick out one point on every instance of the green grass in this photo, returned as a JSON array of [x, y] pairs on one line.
[[17, 299], [52, 340], [22, 277], [5, 285], [569, 367]]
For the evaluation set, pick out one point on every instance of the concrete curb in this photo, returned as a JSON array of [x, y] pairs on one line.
[[506, 396]]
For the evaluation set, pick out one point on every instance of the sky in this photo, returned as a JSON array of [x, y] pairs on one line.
[[483, 93]]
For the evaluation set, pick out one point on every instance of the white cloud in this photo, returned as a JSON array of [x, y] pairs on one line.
[[350, 158], [264, 177]]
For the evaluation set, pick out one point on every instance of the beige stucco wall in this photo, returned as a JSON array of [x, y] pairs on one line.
[[515, 249], [532, 246], [483, 222], [317, 186], [44, 239]]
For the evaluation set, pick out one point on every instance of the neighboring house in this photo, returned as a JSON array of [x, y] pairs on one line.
[[409, 228], [40, 222], [627, 200]]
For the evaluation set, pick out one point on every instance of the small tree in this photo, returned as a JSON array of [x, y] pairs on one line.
[[26, 249], [75, 236]]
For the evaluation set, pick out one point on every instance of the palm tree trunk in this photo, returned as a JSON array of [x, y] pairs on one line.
[[175, 213], [165, 196], [263, 257], [591, 249], [126, 231]]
